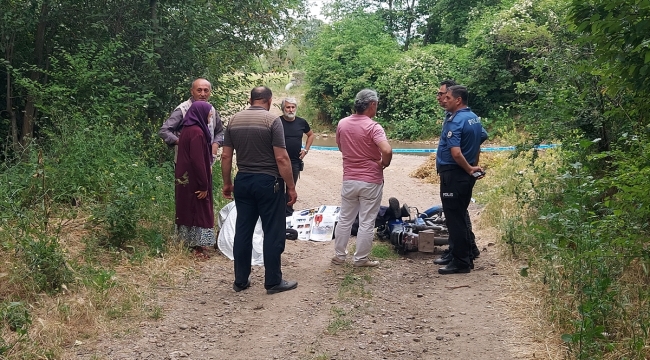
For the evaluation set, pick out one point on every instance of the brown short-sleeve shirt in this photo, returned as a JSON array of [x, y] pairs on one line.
[[253, 133]]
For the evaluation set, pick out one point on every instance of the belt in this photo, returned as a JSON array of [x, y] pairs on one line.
[[442, 168]]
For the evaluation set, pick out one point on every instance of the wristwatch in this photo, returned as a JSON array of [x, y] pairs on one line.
[[306, 150]]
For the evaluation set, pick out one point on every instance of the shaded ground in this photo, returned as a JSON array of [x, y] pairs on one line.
[[401, 310]]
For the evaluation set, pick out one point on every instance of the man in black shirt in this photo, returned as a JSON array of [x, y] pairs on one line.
[[294, 128]]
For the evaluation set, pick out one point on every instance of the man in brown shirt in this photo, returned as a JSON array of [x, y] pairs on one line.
[[264, 169]]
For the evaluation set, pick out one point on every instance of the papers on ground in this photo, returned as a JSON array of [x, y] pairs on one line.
[[315, 224]]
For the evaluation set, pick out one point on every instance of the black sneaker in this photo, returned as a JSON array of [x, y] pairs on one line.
[[393, 205]]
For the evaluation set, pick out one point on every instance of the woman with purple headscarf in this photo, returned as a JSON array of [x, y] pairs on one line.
[[194, 211]]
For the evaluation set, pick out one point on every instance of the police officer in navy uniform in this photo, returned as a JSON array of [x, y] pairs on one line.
[[457, 164], [446, 255]]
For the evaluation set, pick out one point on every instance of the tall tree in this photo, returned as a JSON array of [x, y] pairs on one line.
[[400, 16], [124, 53], [348, 56]]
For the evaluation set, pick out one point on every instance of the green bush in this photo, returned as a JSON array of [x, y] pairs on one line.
[[16, 316], [347, 57], [501, 45], [410, 109], [586, 241], [119, 217], [45, 262]]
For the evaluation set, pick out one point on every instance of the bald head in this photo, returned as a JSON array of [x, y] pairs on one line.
[[201, 90], [261, 96]]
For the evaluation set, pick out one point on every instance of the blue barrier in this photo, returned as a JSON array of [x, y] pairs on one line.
[[487, 149]]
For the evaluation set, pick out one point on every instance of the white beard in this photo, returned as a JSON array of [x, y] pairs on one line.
[[289, 116]]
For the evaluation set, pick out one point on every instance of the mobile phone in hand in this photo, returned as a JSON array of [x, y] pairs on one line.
[[478, 174]]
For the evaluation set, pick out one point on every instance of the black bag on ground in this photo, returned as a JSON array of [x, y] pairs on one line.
[[291, 234]]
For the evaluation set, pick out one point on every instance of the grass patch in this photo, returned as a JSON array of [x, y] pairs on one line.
[[155, 312], [383, 251], [105, 295], [353, 285], [321, 357], [340, 322]]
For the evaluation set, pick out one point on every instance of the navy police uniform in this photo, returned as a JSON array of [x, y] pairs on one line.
[[462, 129]]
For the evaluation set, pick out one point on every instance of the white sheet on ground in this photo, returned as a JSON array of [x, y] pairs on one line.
[[316, 224], [226, 222]]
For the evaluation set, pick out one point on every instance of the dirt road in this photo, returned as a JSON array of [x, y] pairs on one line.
[[401, 310]]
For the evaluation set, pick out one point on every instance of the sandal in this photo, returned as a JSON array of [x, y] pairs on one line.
[[199, 253]]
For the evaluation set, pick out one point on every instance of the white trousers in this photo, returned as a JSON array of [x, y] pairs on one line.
[[363, 198]]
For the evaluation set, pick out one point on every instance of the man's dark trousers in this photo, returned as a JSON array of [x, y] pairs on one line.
[[296, 174], [456, 193], [472, 237], [257, 195]]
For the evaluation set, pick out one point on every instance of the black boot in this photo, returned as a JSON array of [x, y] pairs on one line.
[[454, 267], [444, 259], [393, 205], [405, 211]]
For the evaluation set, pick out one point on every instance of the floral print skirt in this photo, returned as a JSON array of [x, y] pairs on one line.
[[194, 236]]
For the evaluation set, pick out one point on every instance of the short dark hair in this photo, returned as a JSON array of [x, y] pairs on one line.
[[458, 91], [261, 93], [448, 83]]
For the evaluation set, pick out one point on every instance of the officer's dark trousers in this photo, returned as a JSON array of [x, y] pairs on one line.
[[456, 193], [256, 195], [472, 237]]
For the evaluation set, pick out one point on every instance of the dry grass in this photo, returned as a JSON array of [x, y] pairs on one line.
[[427, 171], [90, 307], [541, 314], [526, 300]]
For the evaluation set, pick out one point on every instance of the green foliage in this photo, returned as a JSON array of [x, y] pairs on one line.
[[409, 108], [347, 57], [500, 45], [16, 316], [45, 263], [154, 240], [400, 16], [447, 20], [119, 217], [132, 61], [587, 241], [383, 251], [98, 278], [619, 30]]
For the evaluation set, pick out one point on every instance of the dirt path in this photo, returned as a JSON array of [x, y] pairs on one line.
[[401, 310]]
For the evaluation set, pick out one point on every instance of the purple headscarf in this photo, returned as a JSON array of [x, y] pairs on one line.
[[197, 114]]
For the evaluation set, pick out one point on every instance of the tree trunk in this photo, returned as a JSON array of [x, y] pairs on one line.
[[39, 46], [9, 54], [410, 20], [12, 114], [153, 8]]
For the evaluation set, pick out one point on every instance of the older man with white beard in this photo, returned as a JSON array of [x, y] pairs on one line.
[[294, 129]]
